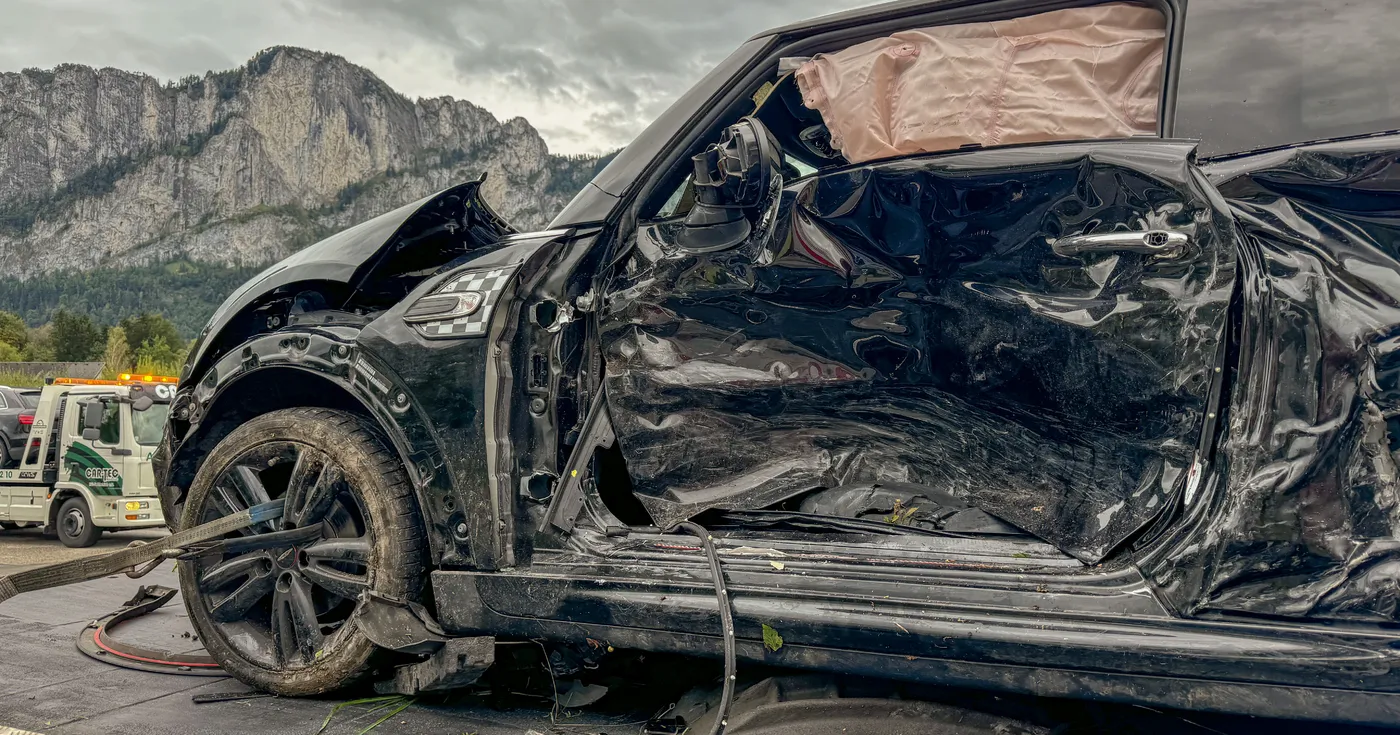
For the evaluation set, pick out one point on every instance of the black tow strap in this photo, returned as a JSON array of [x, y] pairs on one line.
[[97, 567]]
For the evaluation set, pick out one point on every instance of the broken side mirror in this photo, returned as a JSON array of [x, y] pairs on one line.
[[732, 179], [92, 415]]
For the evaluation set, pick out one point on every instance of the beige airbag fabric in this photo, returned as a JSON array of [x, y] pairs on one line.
[[1068, 74]]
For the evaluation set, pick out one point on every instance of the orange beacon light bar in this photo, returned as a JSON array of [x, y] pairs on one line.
[[124, 379], [130, 378]]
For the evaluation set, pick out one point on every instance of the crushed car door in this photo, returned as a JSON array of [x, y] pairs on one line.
[[1033, 329]]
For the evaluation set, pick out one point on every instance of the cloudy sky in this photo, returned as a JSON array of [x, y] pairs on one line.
[[589, 74]]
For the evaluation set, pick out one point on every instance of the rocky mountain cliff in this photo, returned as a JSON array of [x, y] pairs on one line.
[[101, 168]]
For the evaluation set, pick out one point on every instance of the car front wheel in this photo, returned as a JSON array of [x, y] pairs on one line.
[[279, 619]]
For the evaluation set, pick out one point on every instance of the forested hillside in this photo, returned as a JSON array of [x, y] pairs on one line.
[[186, 293]]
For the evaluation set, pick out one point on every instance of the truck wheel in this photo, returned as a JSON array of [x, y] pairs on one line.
[[75, 527], [8, 525], [280, 619]]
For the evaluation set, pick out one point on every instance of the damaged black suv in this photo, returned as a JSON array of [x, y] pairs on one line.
[[1043, 345]]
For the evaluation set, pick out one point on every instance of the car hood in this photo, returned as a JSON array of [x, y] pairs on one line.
[[351, 255]]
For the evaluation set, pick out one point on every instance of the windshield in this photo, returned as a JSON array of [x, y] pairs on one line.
[[30, 398], [148, 425]]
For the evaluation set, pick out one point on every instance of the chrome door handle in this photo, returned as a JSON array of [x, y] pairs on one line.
[[1149, 242]]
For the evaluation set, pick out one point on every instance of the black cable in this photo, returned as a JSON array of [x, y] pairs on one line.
[[726, 622]]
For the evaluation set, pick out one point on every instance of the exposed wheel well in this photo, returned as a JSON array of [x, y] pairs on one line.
[[261, 391]]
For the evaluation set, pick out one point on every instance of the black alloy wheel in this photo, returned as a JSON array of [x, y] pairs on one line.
[[280, 619]]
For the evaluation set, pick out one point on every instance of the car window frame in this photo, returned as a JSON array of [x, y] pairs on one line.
[[664, 175]]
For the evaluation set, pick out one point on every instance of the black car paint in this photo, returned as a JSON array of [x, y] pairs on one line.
[[912, 321], [349, 257], [1271, 582], [445, 384], [315, 286], [14, 434], [1095, 634], [393, 374], [1303, 516]]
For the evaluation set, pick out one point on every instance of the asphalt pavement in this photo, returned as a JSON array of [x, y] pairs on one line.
[[47, 686]]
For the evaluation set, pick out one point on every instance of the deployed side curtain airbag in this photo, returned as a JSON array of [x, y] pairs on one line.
[[1065, 75]]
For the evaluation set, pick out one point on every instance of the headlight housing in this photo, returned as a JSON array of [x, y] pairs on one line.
[[461, 306]]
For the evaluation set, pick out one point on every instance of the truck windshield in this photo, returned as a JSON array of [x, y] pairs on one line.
[[148, 425]]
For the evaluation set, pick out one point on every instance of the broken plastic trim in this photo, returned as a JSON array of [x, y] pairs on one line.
[[95, 640], [567, 501], [813, 522], [398, 625]]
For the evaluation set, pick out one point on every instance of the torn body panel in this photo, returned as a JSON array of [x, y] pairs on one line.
[[1304, 517], [346, 279], [913, 321], [400, 248]]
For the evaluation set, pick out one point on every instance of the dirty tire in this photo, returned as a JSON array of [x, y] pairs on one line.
[[372, 519], [75, 527]]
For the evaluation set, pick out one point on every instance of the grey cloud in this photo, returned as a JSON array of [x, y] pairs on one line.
[[626, 61]]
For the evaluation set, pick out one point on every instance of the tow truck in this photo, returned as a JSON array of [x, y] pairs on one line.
[[87, 465]]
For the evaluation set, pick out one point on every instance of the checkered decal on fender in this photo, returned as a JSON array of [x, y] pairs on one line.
[[490, 284]]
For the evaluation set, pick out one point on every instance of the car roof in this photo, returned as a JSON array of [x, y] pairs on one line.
[[855, 16]]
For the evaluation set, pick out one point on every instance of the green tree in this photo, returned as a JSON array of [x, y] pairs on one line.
[[158, 357], [186, 293], [75, 337], [39, 346], [148, 327], [8, 353], [116, 359], [12, 330]]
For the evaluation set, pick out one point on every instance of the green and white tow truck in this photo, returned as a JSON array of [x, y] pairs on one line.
[[87, 467]]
